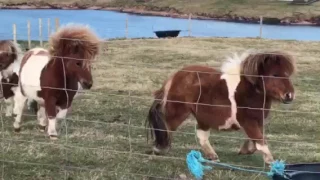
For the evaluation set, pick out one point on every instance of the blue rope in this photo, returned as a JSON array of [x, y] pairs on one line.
[[194, 160]]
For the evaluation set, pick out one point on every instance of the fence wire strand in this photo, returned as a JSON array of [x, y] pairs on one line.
[[3, 137], [176, 132], [182, 102], [64, 118]]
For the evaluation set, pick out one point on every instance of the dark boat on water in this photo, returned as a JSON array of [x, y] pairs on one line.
[[168, 33]]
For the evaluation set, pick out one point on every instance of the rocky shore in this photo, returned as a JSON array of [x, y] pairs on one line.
[[298, 19]]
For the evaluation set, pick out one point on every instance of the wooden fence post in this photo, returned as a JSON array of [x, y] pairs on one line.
[[40, 32], [29, 34], [127, 28], [261, 23], [14, 33], [189, 29], [49, 28], [57, 24]]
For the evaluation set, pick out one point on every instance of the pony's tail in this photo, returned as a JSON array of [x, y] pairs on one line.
[[74, 40], [157, 125]]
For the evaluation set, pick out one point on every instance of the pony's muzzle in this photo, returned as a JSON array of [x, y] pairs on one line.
[[287, 98], [86, 84]]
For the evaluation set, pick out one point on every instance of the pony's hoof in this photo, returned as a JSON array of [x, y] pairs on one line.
[[8, 114], [17, 130], [247, 148], [53, 137], [268, 160], [215, 160], [42, 128], [150, 152], [159, 151], [213, 157], [245, 152]]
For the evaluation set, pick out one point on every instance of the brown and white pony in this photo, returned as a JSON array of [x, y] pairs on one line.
[[230, 99], [10, 58], [32, 104], [53, 81]]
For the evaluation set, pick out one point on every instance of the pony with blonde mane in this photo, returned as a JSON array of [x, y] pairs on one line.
[[51, 77], [239, 96]]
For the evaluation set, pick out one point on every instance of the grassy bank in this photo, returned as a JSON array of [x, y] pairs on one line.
[[243, 10], [104, 137]]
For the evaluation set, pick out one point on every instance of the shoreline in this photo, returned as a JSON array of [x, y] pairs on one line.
[[169, 12], [25, 41]]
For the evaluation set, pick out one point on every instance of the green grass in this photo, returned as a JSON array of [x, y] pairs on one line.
[[104, 137], [246, 8]]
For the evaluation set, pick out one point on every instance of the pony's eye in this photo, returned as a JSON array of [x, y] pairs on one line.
[[78, 63]]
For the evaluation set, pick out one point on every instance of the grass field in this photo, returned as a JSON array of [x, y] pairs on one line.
[[245, 8], [104, 137]]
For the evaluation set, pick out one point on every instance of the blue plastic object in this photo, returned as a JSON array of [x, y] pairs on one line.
[[278, 171]]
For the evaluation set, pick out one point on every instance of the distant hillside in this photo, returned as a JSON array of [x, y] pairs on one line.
[[228, 10]]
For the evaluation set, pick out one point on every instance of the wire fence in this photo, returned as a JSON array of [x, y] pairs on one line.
[[128, 127]]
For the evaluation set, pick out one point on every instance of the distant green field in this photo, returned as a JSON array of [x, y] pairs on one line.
[[104, 137], [246, 8]]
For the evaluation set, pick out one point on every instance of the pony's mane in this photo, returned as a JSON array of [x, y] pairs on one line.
[[249, 62], [232, 64], [256, 59], [74, 39]]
